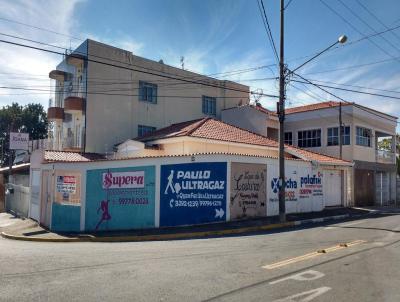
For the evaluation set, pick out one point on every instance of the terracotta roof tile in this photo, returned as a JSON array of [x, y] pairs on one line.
[[265, 110], [54, 156], [312, 107], [209, 128]]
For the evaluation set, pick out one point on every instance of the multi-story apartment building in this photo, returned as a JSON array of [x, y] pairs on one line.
[[316, 127], [105, 95]]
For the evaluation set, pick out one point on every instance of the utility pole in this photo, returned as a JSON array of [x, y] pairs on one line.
[[281, 112], [341, 154], [340, 131]]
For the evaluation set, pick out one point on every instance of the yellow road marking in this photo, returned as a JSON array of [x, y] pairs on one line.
[[313, 254]]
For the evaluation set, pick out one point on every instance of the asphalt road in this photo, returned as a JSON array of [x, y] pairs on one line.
[[215, 269]]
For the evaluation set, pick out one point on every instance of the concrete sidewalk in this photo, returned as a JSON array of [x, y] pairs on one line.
[[29, 230]]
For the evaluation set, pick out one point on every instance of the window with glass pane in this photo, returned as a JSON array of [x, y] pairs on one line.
[[363, 136], [147, 92], [209, 105], [143, 130], [333, 136], [346, 135], [309, 138], [288, 138]]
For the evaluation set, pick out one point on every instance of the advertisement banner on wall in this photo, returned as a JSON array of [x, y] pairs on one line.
[[68, 185], [292, 184], [311, 185], [120, 198], [192, 193], [248, 190], [304, 189]]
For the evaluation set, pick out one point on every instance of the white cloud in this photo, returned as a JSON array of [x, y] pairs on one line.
[[27, 68], [120, 40]]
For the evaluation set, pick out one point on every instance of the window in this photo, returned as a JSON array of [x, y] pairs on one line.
[[309, 138], [147, 92], [209, 105], [143, 130], [333, 136], [363, 136], [288, 138]]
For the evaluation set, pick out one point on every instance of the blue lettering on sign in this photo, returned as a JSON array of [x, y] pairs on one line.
[[290, 184], [192, 193], [311, 180]]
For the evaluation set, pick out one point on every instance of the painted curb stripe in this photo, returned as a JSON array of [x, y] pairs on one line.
[[176, 235], [312, 254]]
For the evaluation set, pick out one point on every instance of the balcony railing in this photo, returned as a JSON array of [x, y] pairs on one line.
[[385, 157]]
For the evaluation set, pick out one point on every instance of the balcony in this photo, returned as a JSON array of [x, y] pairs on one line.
[[60, 75], [55, 113], [385, 157], [70, 144], [74, 103]]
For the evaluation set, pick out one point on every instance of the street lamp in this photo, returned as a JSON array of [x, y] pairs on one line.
[[342, 39]]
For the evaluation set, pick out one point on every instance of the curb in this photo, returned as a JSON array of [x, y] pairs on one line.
[[176, 236], [322, 219], [156, 237]]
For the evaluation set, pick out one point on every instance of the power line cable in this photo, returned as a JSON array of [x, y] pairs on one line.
[[347, 102], [269, 32], [366, 23], [376, 18], [356, 86], [355, 29], [351, 90], [146, 68], [287, 4], [351, 116], [353, 66], [131, 69], [365, 37], [104, 93], [41, 28]]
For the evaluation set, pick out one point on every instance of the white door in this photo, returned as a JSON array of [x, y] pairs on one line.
[[35, 194], [382, 188], [46, 197], [332, 188]]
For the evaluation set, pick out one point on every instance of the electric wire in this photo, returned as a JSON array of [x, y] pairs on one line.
[[357, 30], [367, 24], [376, 18], [268, 29], [132, 69]]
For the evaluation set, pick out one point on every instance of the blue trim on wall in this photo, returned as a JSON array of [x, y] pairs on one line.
[[65, 218]]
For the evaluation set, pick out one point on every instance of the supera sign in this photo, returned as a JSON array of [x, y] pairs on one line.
[[311, 180], [123, 180]]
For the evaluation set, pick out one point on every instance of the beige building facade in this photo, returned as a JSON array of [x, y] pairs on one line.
[[105, 95], [316, 128]]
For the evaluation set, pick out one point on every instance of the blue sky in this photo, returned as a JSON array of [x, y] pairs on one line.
[[213, 36]]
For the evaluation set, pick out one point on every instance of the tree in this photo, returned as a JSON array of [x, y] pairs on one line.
[[31, 119]]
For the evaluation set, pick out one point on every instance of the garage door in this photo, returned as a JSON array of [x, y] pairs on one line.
[[332, 188]]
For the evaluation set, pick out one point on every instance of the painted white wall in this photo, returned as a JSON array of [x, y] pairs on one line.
[[351, 116], [294, 169]]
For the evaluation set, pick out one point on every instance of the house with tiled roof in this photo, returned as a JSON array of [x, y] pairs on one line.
[[315, 127], [187, 173], [254, 118], [210, 135]]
